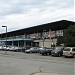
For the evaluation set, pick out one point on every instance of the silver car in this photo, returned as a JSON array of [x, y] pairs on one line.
[[32, 50], [1, 47], [12, 48], [69, 52]]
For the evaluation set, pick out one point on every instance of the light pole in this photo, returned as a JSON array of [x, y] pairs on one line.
[[43, 37], [50, 36], [6, 38]]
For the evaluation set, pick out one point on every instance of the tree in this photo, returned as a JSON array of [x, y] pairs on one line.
[[69, 36], [60, 40]]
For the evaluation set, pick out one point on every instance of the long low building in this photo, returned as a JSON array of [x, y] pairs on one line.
[[40, 35]]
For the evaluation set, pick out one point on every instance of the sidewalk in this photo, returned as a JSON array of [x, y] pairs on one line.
[[46, 74]]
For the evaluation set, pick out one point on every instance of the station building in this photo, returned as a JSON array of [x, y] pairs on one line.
[[40, 35]]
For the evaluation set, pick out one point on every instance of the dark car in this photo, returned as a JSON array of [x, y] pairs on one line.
[[20, 49], [45, 51], [58, 51], [25, 48]]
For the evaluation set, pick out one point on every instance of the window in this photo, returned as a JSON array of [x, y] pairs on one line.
[[67, 49], [73, 49]]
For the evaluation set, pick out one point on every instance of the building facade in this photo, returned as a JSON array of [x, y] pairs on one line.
[[41, 35]]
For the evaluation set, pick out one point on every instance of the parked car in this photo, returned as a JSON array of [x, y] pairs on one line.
[[69, 52], [45, 51], [32, 50], [58, 51], [4, 47], [12, 48], [1, 47], [25, 48], [20, 49]]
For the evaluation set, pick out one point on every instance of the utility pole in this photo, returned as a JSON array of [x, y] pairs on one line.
[[6, 38]]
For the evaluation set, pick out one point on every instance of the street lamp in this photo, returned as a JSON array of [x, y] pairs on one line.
[[6, 37], [50, 34], [43, 37]]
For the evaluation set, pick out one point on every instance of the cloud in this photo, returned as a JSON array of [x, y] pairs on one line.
[[18, 14]]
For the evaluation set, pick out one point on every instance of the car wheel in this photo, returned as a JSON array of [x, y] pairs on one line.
[[74, 55], [59, 54], [65, 56], [46, 54], [49, 53], [42, 54], [30, 52], [15, 50]]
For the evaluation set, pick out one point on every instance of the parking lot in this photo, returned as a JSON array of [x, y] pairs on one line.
[[19, 63]]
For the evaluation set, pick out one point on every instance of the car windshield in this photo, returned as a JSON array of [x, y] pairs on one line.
[[67, 49], [58, 48], [32, 48], [42, 48]]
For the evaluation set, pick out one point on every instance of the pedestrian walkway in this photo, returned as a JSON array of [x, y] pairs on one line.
[[46, 74]]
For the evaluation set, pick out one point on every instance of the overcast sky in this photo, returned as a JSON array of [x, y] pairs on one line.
[[18, 14]]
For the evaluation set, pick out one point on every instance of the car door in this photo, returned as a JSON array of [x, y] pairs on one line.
[[61, 51], [36, 50]]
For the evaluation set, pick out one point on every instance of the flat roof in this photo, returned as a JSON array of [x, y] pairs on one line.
[[58, 25]]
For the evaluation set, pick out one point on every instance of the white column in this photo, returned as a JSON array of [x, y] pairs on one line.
[[24, 43], [18, 43], [12, 43]]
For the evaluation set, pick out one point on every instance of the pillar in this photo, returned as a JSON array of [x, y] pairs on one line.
[[31, 44], [12, 43], [18, 43], [24, 43]]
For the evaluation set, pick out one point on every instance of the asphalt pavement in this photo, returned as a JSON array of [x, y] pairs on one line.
[[18, 63]]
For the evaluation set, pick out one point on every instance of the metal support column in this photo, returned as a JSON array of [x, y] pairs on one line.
[[18, 43], [31, 44], [12, 43], [43, 42], [24, 43]]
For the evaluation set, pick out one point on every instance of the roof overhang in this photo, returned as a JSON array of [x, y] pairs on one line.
[[17, 39]]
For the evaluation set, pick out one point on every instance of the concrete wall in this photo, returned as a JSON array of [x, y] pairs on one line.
[[46, 42]]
